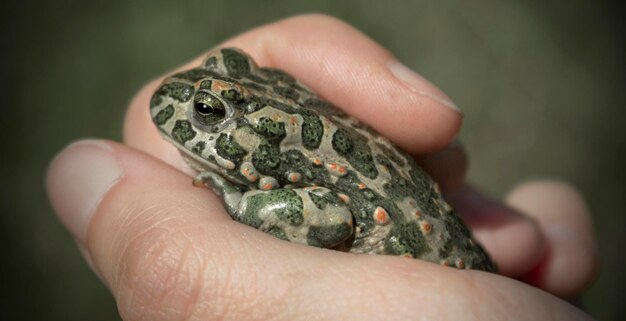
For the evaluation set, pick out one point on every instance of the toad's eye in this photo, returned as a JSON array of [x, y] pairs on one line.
[[208, 109]]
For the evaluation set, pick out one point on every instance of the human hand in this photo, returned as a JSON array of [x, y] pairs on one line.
[[169, 251]]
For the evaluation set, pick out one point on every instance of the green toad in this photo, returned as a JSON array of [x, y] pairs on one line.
[[294, 166]]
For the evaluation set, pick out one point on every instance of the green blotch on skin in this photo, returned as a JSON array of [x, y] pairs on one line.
[[224, 78], [232, 95], [321, 201], [164, 115], [250, 216], [206, 84], [296, 86], [273, 131], [211, 63], [228, 148], [328, 236], [266, 159], [406, 238], [254, 86], [198, 148], [177, 90], [424, 191], [278, 233], [312, 130], [183, 131], [399, 187], [193, 75], [322, 106], [156, 99], [342, 143], [276, 75], [290, 109], [253, 106], [287, 92], [353, 146], [236, 63], [392, 155], [244, 124], [288, 205], [369, 194]]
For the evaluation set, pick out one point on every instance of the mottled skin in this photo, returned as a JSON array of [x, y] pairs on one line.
[[294, 166]]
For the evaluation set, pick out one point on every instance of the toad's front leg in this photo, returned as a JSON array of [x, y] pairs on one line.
[[312, 215]]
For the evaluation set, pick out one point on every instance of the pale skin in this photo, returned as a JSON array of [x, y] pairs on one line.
[[169, 251]]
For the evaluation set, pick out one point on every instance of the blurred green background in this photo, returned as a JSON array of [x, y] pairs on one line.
[[541, 83]]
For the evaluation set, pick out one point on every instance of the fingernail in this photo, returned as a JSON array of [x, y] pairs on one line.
[[419, 85], [77, 180]]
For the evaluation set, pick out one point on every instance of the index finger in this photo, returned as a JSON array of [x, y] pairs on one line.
[[344, 67]]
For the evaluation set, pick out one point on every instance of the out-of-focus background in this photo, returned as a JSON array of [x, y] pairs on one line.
[[542, 85]]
